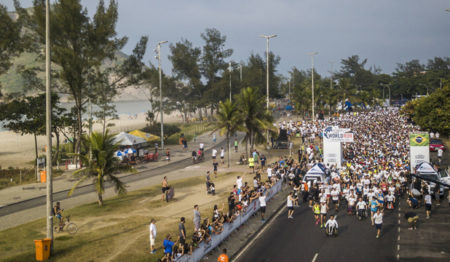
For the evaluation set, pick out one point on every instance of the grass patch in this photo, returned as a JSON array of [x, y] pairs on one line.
[[112, 229]]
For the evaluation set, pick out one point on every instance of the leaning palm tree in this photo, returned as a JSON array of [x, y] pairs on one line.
[[100, 164], [257, 120], [229, 121]]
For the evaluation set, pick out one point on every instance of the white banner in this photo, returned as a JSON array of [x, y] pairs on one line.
[[419, 149], [332, 153], [336, 134]]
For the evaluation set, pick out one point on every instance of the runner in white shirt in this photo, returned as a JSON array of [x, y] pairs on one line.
[[378, 219], [335, 198], [323, 214], [361, 206], [351, 203], [332, 224]]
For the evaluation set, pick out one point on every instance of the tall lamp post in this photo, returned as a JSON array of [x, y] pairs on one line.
[[48, 124], [267, 37], [230, 70], [160, 93], [312, 54]]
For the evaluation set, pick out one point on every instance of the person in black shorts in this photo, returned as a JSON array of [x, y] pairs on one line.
[[165, 187], [215, 164]]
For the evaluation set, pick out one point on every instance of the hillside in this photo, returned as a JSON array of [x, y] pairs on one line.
[[12, 82]]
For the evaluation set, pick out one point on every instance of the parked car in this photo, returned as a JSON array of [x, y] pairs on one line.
[[435, 144]]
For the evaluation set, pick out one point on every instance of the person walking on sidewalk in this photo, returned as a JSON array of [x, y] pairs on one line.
[[235, 145]]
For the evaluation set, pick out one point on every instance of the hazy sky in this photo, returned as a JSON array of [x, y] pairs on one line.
[[383, 31]]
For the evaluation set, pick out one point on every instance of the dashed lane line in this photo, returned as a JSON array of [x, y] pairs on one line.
[[315, 257]]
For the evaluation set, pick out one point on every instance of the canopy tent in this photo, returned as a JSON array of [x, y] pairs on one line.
[[317, 169], [425, 168], [148, 137], [125, 139], [289, 108]]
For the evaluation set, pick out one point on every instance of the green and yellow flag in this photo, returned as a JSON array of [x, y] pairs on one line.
[[419, 139]]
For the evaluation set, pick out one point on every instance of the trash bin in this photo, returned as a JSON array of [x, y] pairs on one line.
[[43, 176], [42, 248]]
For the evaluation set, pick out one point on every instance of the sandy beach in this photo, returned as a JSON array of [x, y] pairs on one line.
[[18, 151]]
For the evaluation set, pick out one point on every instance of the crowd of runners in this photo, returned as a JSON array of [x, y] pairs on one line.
[[375, 174]]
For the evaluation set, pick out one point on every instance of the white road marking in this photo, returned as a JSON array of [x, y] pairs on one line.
[[398, 215], [398, 229], [257, 236], [315, 257], [399, 209], [398, 256], [398, 247], [399, 221], [398, 238]]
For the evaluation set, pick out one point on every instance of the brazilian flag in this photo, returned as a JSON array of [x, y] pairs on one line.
[[419, 139]]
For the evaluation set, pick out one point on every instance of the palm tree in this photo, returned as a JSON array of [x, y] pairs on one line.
[[101, 165], [257, 120], [229, 121]]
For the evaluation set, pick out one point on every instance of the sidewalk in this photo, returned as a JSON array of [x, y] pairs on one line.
[[19, 193]]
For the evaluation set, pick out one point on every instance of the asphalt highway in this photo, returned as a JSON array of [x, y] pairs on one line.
[[301, 240]]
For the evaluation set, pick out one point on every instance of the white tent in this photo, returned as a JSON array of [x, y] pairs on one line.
[[425, 168], [125, 139], [317, 169]]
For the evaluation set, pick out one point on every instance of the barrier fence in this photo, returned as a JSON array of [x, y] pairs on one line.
[[204, 248]]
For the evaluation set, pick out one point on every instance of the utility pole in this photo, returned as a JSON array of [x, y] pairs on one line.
[[312, 54], [267, 37], [160, 93], [230, 68], [48, 125], [289, 90]]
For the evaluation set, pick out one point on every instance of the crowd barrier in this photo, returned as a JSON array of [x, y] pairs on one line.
[[204, 248]]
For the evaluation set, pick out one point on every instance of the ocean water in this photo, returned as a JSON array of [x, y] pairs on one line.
[[130, 108]]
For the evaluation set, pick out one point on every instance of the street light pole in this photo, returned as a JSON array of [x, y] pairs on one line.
[[267, 37], [48, 124], [160, 93], [312, 54], [229, 68]]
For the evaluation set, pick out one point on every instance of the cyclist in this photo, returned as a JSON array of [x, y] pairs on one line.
[[57, 211], [332, 225]]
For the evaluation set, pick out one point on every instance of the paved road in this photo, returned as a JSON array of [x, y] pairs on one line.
[[301, 240], [82, 190]]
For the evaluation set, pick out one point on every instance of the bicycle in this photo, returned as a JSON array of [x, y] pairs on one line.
[[71, 227]]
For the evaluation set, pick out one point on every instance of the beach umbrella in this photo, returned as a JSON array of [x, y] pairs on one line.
[[131, 151], [119, 153]]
